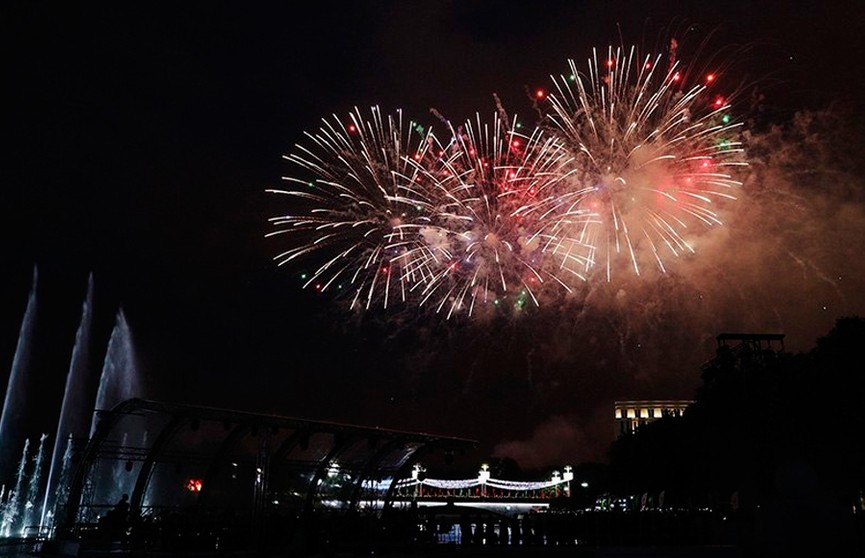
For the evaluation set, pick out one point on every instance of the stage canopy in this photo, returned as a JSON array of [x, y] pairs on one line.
[[172, 458]]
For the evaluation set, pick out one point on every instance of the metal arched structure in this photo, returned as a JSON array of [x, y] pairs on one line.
[[172, 457]]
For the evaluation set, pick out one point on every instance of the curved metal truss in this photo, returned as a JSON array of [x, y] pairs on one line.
[[168, 457]]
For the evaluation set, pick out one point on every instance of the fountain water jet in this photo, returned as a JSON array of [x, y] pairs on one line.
[[119, 380], [11, 511], [15, 401], [34, 487], [101, 371], [78, 400]]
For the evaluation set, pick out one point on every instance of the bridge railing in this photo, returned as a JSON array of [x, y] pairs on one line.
[[484, 486]]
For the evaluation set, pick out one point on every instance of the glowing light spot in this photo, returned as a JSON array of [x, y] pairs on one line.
[[351, 128], [710, 78], [540, 93]]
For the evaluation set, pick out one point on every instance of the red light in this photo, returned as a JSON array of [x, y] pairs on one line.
[[710, 78], [540, 94], [515, 143], [610, 63], [677, 76], [719, 102], [385, 270], [193, 485], [648, 65], [417, 156], [351, 128]]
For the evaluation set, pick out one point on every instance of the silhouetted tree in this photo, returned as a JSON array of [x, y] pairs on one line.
[[768, 431]]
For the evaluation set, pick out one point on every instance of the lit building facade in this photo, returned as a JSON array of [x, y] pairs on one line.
[[631, 415]]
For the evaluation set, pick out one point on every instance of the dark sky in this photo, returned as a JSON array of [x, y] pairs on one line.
[[140, 142]]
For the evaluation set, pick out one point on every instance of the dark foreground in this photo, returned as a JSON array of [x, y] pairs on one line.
[[455, 531], [439, 551]]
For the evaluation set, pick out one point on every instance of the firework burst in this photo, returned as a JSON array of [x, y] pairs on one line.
[[654, 161], [628, 166], [359, 217], [488, 184]]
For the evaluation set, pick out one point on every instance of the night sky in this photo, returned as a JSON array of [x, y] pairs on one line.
[[140, 142]]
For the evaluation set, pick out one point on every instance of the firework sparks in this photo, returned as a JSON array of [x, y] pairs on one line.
[[654, 162], [360, 213], [488, 182], [628, 165]]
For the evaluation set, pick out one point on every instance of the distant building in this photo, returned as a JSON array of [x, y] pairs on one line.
[[631, 415]]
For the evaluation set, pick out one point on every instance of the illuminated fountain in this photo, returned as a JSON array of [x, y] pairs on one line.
[[101, 372], [34, 486], [76, 409], [119, 379], [12, 507], [15, 402]]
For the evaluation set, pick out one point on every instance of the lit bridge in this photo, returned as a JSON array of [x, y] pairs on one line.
[[484, 492]]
